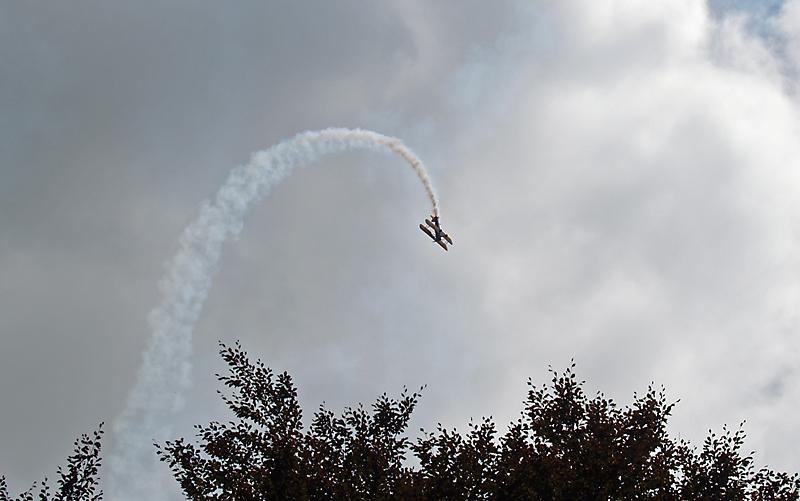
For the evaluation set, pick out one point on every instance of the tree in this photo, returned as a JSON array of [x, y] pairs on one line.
[[257, 457], [78, 483], [456, 467], [565, 446], [719, 471], [266, 456]]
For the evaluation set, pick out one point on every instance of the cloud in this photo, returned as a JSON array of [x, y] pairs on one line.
[[618, 178], [635, 208]]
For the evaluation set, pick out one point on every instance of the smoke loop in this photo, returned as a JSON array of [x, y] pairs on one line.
[[165, 373]]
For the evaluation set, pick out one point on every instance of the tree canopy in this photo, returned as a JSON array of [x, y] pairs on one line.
[[565, 446], [77, 483]]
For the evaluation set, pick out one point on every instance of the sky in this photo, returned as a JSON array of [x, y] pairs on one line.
[[620, 179]]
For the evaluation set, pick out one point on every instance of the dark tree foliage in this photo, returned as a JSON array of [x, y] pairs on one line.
[[456, 467], [265, 455], [566, 446], [258, 456], [359, 455], [719, 471], [78, 483]]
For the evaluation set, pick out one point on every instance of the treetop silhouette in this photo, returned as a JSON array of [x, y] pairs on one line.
[[565, 446]]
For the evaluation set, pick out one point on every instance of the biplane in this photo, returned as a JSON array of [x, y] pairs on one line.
[[437, 234]]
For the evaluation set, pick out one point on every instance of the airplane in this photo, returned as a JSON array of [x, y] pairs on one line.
[[437, 235]]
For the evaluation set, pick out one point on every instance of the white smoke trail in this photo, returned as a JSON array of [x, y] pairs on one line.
[[165, 371]]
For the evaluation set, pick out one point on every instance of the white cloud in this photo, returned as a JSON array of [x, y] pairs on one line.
[[635, 207]]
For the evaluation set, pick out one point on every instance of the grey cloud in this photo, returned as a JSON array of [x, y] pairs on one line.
[[118, 119], [618, 192]]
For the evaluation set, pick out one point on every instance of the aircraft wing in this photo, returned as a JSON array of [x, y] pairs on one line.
[[426, 230]]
